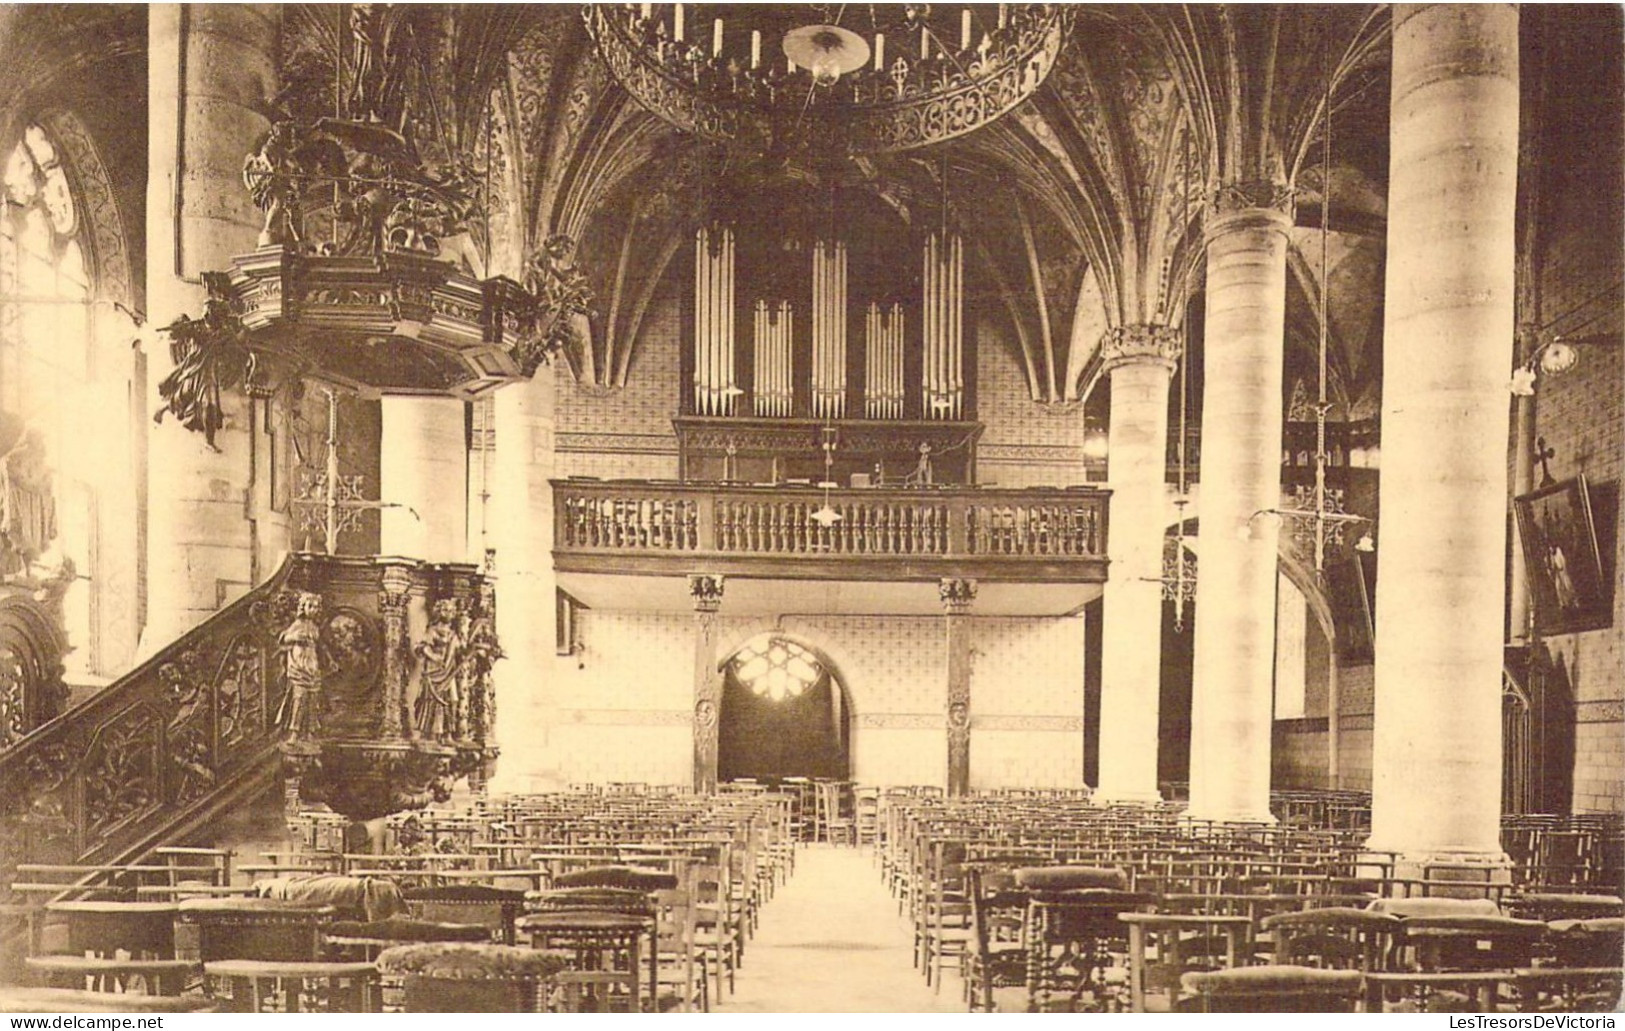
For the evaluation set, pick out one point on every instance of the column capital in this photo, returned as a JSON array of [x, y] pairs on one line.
[[1241, 195], [957, 594], [1141, 343], [706, 590]]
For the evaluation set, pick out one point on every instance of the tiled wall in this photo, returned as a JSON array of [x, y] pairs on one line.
[[619, 710], [1025, 444], [1581, 413]]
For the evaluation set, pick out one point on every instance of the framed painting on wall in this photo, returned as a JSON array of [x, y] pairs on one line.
[[1561, 556]]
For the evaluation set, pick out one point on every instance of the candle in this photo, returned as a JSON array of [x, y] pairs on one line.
[[755, 48], [645, 10], [1004, 15], [925, 42], [677, 24], [880, 51], [964, 29], [716, 38]]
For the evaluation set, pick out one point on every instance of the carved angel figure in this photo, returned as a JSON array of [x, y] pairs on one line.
[[435, 714], [210, 355], [290, 160]]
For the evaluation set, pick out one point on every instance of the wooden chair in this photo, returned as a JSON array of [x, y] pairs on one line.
[[1334, 938], [494, 908], [680, 971], [265, 954], [997, 957], [832, 821], [1075, 939], [605, 949], [284, 986], [943, 920], [116, 947], [866, 815]]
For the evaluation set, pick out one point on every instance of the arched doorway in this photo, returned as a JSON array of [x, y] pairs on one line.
[[784, 714]]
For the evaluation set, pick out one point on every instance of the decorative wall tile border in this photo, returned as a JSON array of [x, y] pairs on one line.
[[617, 443], [902, 720], [1066, 454], [1054, 724], [1599, 710], [626, 717]]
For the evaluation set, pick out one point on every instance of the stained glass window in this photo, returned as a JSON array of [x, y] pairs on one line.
[[50, 421], [777, 668]]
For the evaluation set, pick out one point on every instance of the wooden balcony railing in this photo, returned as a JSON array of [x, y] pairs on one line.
[[646, 527]]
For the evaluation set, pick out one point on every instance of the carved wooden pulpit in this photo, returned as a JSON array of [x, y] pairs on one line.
[[386, 665]]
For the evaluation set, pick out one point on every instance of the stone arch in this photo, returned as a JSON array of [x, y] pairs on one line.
[[806, 732]]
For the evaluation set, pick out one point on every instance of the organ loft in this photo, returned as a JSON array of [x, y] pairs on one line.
[[773, 508]]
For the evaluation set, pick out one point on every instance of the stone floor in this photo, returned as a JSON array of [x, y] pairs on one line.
[[831, 941]]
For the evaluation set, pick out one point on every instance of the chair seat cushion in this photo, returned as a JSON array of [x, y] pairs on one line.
[[626, 877], [1273, 978], [1429, 907], [1345, 917], [461, 960], [1600, 925], [1069, 878], [465, 893], [1469, 923]]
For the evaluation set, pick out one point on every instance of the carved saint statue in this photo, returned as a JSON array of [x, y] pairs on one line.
[[441, 656], [481, 651], [381, 44], [300, 645], [27, 503]]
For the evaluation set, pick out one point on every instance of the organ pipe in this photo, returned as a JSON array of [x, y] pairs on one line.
[[829, 330], [883, 332], [715, 391], [943, 327], [774, 385]]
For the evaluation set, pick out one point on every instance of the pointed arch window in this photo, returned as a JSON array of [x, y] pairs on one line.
[[64, 423]]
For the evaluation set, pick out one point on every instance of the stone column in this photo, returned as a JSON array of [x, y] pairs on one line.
[[957, 596], [423, 473], [522, 532], [210, 68], [1140, 360], [706, 590], [1448, 348], [1241, 476]]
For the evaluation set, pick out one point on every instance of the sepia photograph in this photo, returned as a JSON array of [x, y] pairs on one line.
[[811, 508]]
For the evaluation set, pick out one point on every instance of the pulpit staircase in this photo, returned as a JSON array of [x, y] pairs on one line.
[[158, 755], [201, 729]]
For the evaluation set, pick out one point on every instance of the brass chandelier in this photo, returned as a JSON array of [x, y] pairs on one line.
[[854, 79]]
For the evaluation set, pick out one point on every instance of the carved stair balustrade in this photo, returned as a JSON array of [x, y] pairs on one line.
[[321, 674]]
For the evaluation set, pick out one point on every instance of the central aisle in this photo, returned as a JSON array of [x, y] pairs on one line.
[[831, 942]]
